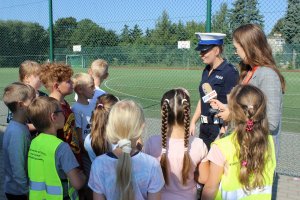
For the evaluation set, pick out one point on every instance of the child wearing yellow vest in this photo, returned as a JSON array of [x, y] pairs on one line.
[[242, 164], [52, 167]]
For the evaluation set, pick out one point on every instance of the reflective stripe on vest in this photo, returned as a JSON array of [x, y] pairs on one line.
[[240, 193], [39, 186]]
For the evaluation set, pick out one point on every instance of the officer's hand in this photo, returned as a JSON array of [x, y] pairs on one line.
[[224, 111]]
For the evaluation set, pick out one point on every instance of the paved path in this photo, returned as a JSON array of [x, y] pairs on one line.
[[288, 187]]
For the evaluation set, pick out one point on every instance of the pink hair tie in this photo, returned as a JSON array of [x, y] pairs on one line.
[[244, 163], [249, 126], [100, 105]]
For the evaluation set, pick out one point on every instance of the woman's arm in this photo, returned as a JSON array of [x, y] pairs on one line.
[[214, 178], [195, 118]]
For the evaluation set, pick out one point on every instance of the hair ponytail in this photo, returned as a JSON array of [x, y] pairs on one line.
[[186, 166], [124, 174], [247, 104], [98, 123], [164, 128]]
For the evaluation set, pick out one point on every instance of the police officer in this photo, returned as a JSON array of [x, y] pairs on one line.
[[221, 76]]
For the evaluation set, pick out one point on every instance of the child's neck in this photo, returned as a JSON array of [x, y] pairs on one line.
[[58, 96], [97, 82], [50, 131], [177, 132], [19, 117], [82, 100]]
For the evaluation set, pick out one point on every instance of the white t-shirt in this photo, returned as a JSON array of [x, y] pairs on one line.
[[146, 172], [175, 152], [83, 115]]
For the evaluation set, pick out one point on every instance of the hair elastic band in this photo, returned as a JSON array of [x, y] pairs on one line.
[[167, 100], [186, 149], [100, 105], [164, 150], [244, 163], [250, 125], [125, 145], [183, 100]]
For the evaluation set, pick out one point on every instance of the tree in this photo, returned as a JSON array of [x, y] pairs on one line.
[[125, 35], [162, 33], [136, 34], [245, 12], [278, 27], [63, 29], [89, 34], [291, 28], [220, 22]]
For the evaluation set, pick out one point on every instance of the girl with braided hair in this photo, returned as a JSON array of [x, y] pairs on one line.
[[242, 164], [125, 173], [178, 152]]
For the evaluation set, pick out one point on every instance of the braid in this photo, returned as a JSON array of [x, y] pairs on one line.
[[186, 159], [164, 127]]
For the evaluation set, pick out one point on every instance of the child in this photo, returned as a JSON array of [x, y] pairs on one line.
[[179, 154], [125, 173], [242, 164], [16, 140], [56, 77], [84, 87], [99, 72], [50, 160], [29, 72], [95, 143]]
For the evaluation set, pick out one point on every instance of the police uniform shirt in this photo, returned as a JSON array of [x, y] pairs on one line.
[[222, 80]]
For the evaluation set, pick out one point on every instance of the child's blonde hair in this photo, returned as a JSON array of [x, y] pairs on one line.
[[15, 93], [99, 68], [247, 105], [99, 120], [175, 106], [55, 72], [40, 110], [125, 125], [28, 68], [81, 79]]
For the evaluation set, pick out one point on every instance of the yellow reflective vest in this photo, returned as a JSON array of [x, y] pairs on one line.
[[230, 187], [43, 177]]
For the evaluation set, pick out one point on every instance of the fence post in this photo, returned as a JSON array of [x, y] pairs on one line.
[[51, 53], [208, 17]]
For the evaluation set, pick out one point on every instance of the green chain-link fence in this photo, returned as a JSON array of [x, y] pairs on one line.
[[140, 41]]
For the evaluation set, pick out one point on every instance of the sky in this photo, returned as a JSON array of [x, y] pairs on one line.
[[114, 14]]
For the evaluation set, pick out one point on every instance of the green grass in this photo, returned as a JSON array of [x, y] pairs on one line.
[[147, 85]]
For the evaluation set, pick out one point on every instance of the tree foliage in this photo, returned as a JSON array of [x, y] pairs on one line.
[[245, 12], [291, 28]]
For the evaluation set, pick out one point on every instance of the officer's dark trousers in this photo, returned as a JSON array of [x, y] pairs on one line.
[[208, 133]]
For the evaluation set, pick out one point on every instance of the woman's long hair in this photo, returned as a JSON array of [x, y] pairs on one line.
[[247, 104], [175, 105], [125, 122], [257, 49], [98, 123]]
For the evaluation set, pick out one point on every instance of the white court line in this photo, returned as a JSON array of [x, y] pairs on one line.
[[106, 82]]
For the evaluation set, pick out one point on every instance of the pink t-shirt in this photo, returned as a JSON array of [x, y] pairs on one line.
[[197, 150]]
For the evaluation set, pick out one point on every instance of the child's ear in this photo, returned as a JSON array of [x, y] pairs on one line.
[[26, 79]]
